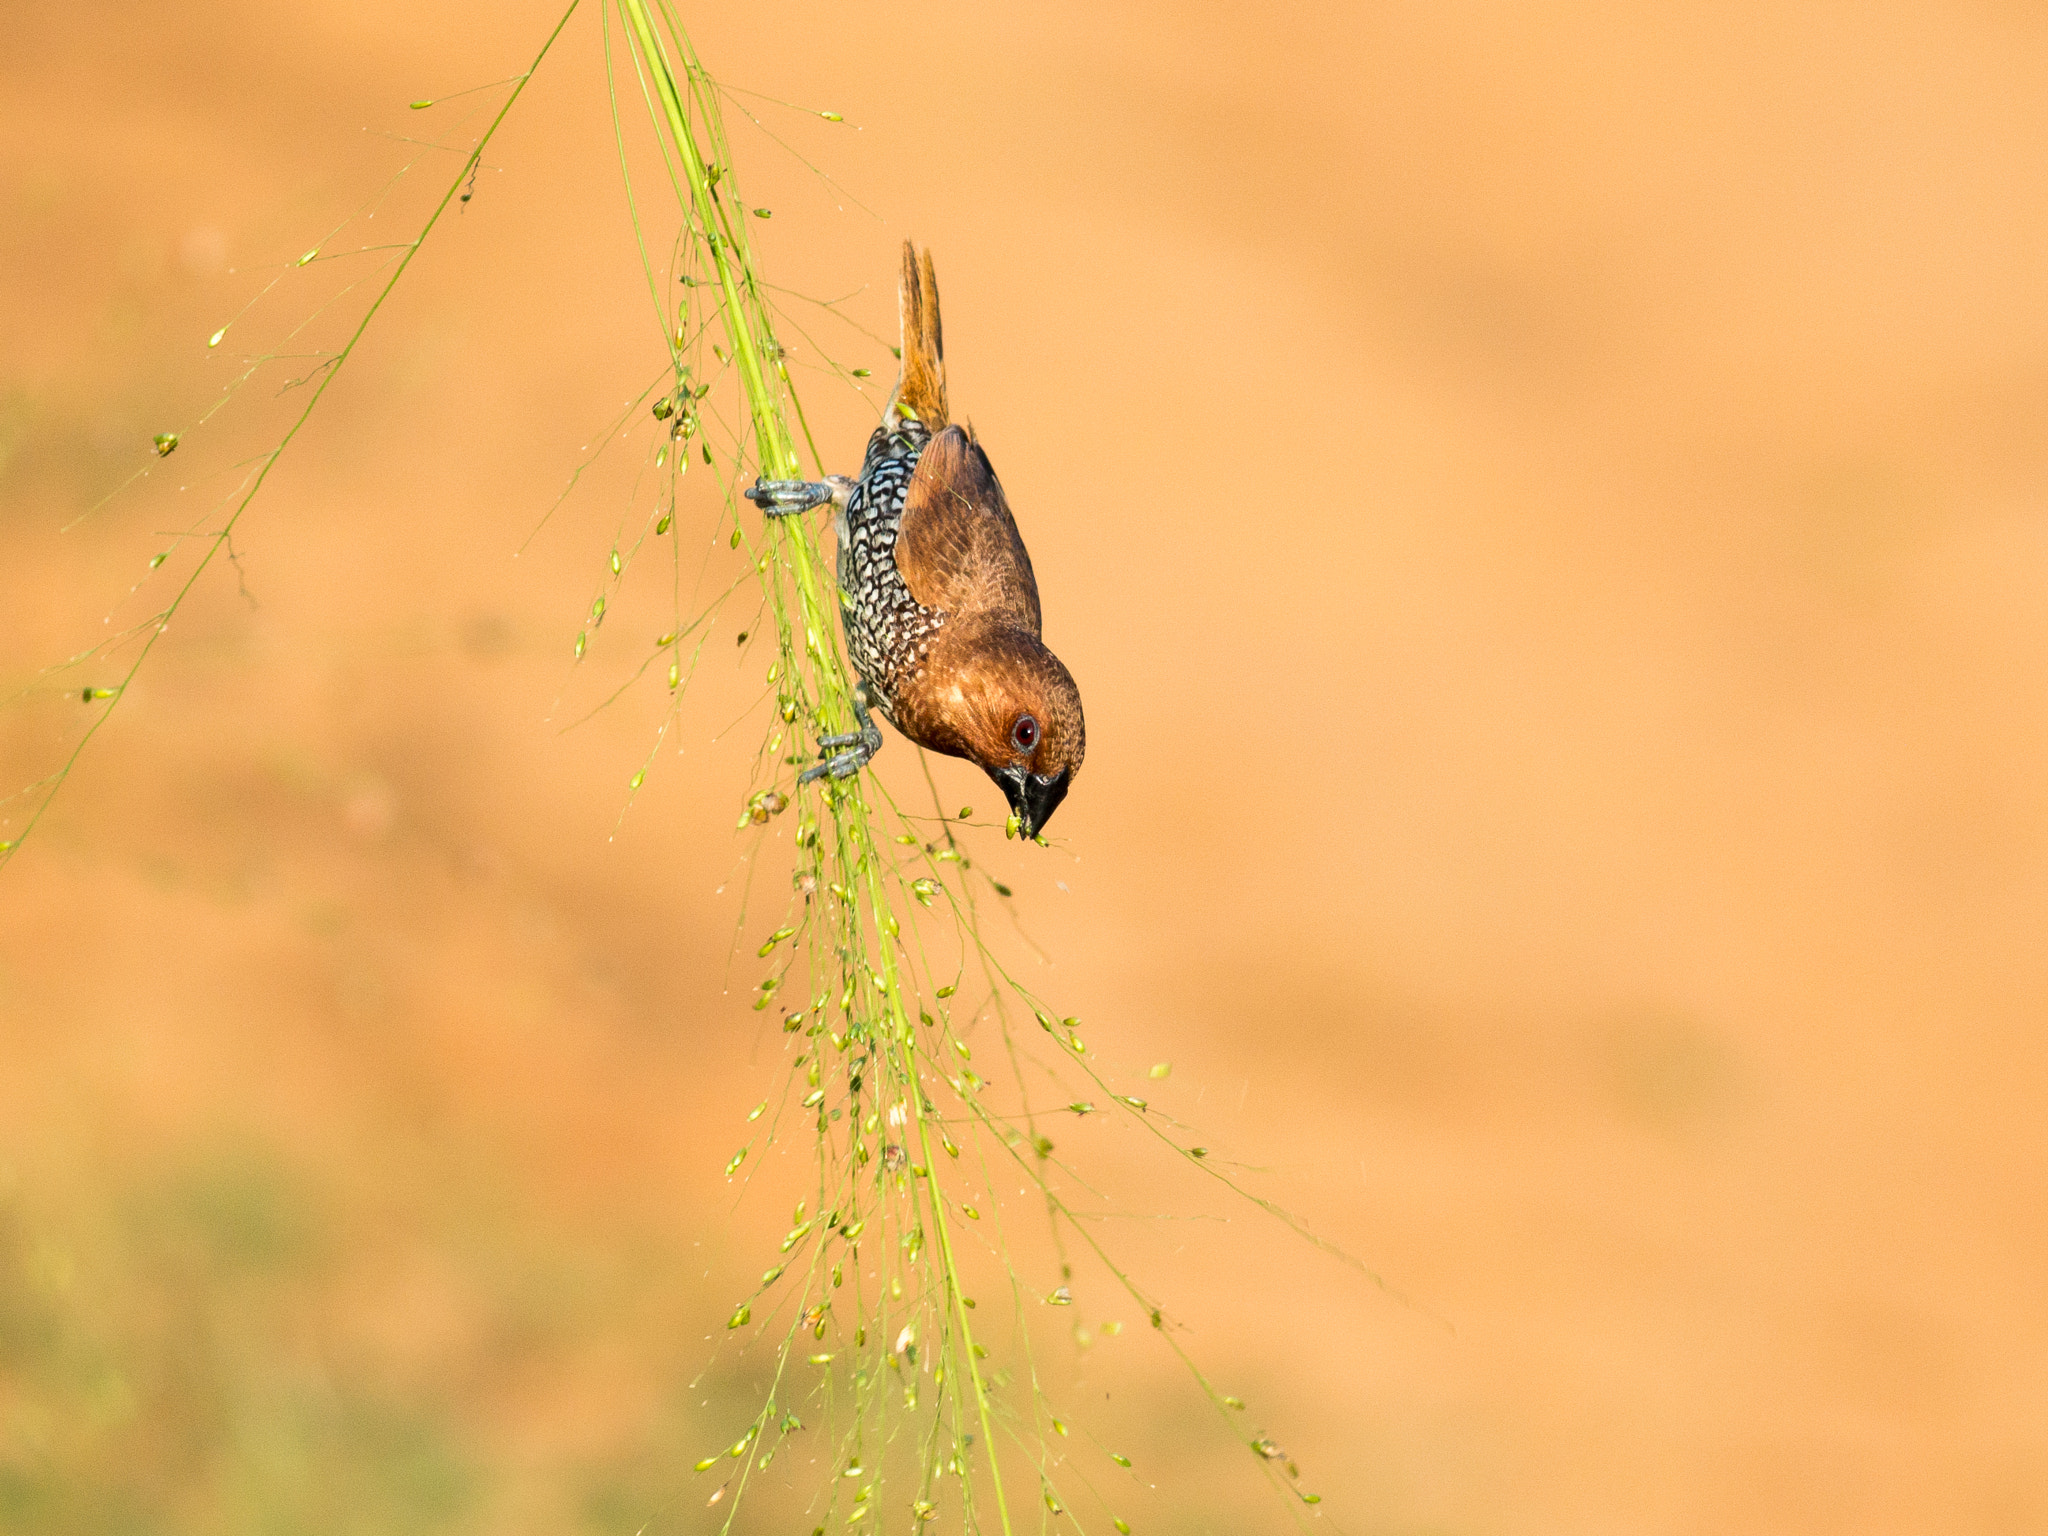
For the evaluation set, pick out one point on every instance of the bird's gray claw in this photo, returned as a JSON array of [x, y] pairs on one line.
[[842, 766], [784, 498], [859, 746]]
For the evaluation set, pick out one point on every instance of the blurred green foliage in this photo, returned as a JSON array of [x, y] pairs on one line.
[[162, 1371]]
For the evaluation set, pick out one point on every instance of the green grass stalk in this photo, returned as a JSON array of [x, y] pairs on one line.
[[222, 538], [749, 332]]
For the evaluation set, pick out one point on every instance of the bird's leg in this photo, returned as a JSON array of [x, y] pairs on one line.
[[860, 745], [784, 498]]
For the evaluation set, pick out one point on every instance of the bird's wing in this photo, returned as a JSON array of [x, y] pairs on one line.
[[958, 548]]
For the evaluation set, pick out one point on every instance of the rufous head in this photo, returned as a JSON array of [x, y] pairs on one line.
[[1015, 711]]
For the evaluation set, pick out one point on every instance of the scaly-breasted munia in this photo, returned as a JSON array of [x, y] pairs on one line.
[[936, 591]]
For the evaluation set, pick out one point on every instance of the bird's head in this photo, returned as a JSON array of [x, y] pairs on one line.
[[1018, 715]]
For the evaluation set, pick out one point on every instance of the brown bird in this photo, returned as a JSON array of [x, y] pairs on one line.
[[936, 591]]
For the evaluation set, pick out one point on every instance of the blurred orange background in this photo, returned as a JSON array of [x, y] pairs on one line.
[[1548, 507]]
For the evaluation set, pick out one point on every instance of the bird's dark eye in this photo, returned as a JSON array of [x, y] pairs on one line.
[[1025, 734]]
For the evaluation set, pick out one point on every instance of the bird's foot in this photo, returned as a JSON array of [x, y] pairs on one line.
[[785, 498], [859, 746]]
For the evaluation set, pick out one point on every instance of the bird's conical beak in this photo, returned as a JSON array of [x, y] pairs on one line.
[[1034, 799]]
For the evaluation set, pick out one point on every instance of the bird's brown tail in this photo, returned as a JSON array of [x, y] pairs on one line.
[[922, 384]]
